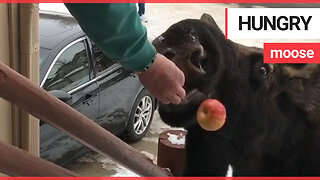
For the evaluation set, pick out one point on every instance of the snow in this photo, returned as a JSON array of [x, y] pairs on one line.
[[110, 167], [87, 159], [161, 38], [121, 171], [54, 7], [151, 139], [89, 163], [176, 139], [152, 157], [230, 171]]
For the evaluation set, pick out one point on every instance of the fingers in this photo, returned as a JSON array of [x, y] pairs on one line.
[[181, 93], [164, 100], [175, 99], [164, 80], [180, 76], [178, 92]]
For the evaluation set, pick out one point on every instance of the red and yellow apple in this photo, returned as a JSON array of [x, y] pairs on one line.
[[211, 115]]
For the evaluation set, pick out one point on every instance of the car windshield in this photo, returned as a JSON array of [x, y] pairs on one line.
[[43, 55]]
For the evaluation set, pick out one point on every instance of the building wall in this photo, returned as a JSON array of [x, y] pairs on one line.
[[20, 51], [5, 107]]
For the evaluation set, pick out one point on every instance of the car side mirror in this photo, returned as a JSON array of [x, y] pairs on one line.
[[63, 96]]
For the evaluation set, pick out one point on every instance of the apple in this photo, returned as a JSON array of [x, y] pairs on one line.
[[211, 115]]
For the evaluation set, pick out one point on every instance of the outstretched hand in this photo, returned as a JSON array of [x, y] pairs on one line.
[[164, 80]]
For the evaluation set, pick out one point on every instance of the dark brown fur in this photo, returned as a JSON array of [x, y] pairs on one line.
[[272, 110]]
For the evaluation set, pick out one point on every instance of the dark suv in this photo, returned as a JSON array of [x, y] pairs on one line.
[[74, 70]]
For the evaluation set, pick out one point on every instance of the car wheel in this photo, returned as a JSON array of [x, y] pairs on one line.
[[140, 116]]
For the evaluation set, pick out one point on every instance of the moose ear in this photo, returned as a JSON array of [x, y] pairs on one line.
[[207, 19]]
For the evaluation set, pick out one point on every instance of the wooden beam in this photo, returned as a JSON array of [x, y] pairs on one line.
[[29, 67], [27, 95], [14, 30], [16, 162]]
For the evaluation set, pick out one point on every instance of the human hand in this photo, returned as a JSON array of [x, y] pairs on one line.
[[164, 80]]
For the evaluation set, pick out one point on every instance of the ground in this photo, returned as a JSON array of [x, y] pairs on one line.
[[94, 164], [160, 16]]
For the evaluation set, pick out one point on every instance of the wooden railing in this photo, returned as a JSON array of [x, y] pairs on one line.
[[28, 96], [17, 162]]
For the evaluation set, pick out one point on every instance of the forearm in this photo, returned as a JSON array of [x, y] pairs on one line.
[[118, 32]]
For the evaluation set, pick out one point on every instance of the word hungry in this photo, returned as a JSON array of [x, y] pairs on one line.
[[273, 23]]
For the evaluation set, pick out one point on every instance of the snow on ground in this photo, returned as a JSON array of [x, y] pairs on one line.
[[108, 164], [176, 139], [162, 15], [157, 125], [54, 7], [93, 164]]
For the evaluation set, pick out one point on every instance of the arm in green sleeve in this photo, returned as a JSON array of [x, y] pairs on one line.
[[118, 32]]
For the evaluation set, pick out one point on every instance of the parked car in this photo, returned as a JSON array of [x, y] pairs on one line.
[[74, 69]]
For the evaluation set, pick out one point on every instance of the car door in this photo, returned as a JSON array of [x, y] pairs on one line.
[[118, 89], [70, 73]]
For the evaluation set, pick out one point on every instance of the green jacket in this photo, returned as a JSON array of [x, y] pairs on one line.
[[118, 32]]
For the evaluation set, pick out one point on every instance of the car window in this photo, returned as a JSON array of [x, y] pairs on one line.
[[103, 63], [70, 70]]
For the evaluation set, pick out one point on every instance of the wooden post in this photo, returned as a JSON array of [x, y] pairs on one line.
[[171, 155], [22, 92], [29, 67], [16, 162]]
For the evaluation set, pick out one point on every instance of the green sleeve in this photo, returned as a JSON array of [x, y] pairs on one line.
[[118, 32]]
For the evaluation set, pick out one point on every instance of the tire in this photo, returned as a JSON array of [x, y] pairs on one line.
[[140, 117]]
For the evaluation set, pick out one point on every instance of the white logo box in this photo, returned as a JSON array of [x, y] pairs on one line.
[[313, 31]]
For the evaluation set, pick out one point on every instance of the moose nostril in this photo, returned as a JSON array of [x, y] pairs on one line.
[[169, 54]]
